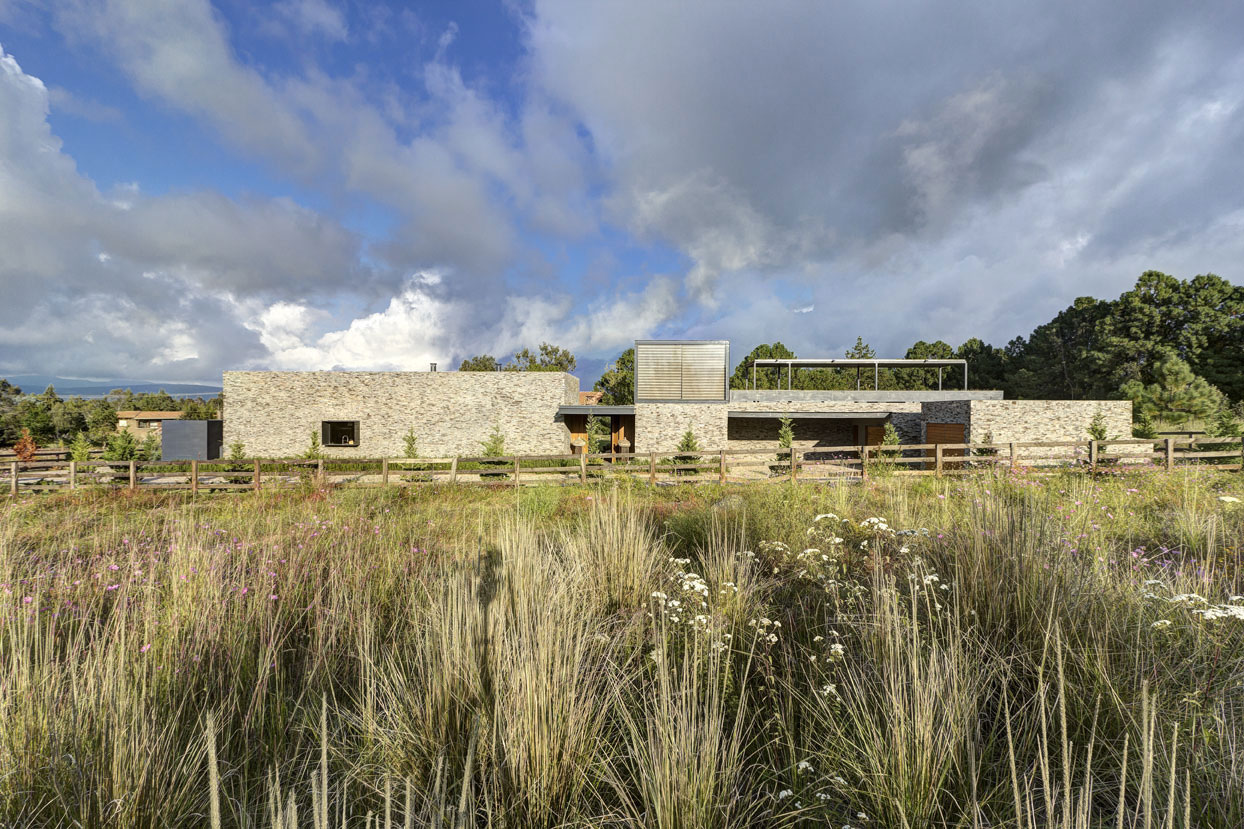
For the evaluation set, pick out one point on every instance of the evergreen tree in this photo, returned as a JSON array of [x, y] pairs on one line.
[[410, 444], [494, 446], [80, 449], [121, 446], [314, 451], [149, 450], [767, 377], [1178, 395], [598, 434], [618, 381], [25, 447]]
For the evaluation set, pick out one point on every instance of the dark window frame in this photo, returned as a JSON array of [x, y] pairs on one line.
[[326, 431]]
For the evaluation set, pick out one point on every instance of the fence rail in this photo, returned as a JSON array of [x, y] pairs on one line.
[[819, 464]]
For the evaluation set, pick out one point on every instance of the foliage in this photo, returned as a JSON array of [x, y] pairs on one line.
[[786, 432], [25, 447], [1097, 426], [1224, 424], [410, 444], [480, 362], [314, 451], [494, 446], [598, 434], [80, 448], [149, 450], [237, 451], [789, 656], [1142, 427], [618, 381], [1178, 395], [766, 378], [688, 446], [550, 358], [121, 446]]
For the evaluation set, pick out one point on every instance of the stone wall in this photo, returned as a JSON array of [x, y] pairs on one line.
[[660, 426], [1046, 420], [273, 413], [946, 411]]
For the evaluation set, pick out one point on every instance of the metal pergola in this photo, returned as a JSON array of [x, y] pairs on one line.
[[859, 365]]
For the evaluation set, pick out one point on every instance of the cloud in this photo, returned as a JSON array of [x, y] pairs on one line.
[[68, 103], [976, 165], [313, 18]]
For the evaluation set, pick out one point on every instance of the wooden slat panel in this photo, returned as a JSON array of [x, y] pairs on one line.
[[659, 371], [703, 371]]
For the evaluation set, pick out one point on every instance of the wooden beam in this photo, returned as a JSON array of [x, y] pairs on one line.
[[194, 477], [256, 484], [133, 475], [583, 467], [453, 471], [652, 468], [73, 474]]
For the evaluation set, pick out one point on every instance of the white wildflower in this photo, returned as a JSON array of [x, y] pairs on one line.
[[785, 793], [1160, 624]]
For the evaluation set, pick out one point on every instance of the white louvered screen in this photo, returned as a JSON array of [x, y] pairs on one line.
[[681, 371], [703, 371]]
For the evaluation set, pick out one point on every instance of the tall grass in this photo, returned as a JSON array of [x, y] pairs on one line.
[[987, 651]]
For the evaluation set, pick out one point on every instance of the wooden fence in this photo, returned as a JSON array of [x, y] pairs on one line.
[[823, 464]]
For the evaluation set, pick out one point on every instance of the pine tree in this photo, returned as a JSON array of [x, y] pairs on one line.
[[411, 443], [314, 451], [25, 447], [80, 449], [494, 446], [1177, 397], [786, 439]]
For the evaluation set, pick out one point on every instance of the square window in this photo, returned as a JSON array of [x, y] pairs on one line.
[[340, 433]]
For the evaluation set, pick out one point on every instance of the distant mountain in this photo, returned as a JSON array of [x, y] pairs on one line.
[[77, 387]]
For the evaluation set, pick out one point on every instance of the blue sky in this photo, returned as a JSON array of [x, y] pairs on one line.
[[187, 186]]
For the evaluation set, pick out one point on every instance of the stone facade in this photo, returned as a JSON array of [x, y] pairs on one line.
[[1030, 421], [273, 413], [660, 426]]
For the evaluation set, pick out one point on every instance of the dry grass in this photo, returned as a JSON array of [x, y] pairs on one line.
[[998, 651]]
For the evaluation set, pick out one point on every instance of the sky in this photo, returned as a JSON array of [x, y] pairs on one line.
[[188, 187]]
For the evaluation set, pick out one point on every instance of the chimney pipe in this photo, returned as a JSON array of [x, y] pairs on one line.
[[433, 368]]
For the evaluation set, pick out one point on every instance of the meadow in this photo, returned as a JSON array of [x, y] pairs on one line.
[[993, 650]]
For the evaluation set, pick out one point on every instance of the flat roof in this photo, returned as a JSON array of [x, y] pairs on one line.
[[596, 410], [853, 362], [813, 415]]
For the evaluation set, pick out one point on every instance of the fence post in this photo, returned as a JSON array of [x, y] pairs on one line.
[[384, 471], [1011, 449], [13, 478], [73, 474], [1093, 456], [319, 468], [721, 467], [1170, 454], [133, 474], [794, 465], [583, 467], [652, 468], [516, 470], [863, 463], [453, 470], [194, 477], [937, 459]]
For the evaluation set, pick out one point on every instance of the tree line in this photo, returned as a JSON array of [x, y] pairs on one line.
[[47, 419], [1174, 347]]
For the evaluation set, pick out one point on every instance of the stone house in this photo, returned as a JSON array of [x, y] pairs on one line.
[[679, 385]]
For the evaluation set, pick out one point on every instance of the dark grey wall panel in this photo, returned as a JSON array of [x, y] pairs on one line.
[[190, 440]]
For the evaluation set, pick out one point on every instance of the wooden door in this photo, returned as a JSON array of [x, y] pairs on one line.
[[874, 435], [945, 433]]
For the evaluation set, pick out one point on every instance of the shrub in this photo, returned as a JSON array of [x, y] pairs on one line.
[[786, 441], [25, 446], [494, 447], [80, 449], [314, 451], [150, 448], [598, 434], [121, 447], [1097, 426], [410, 444]]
